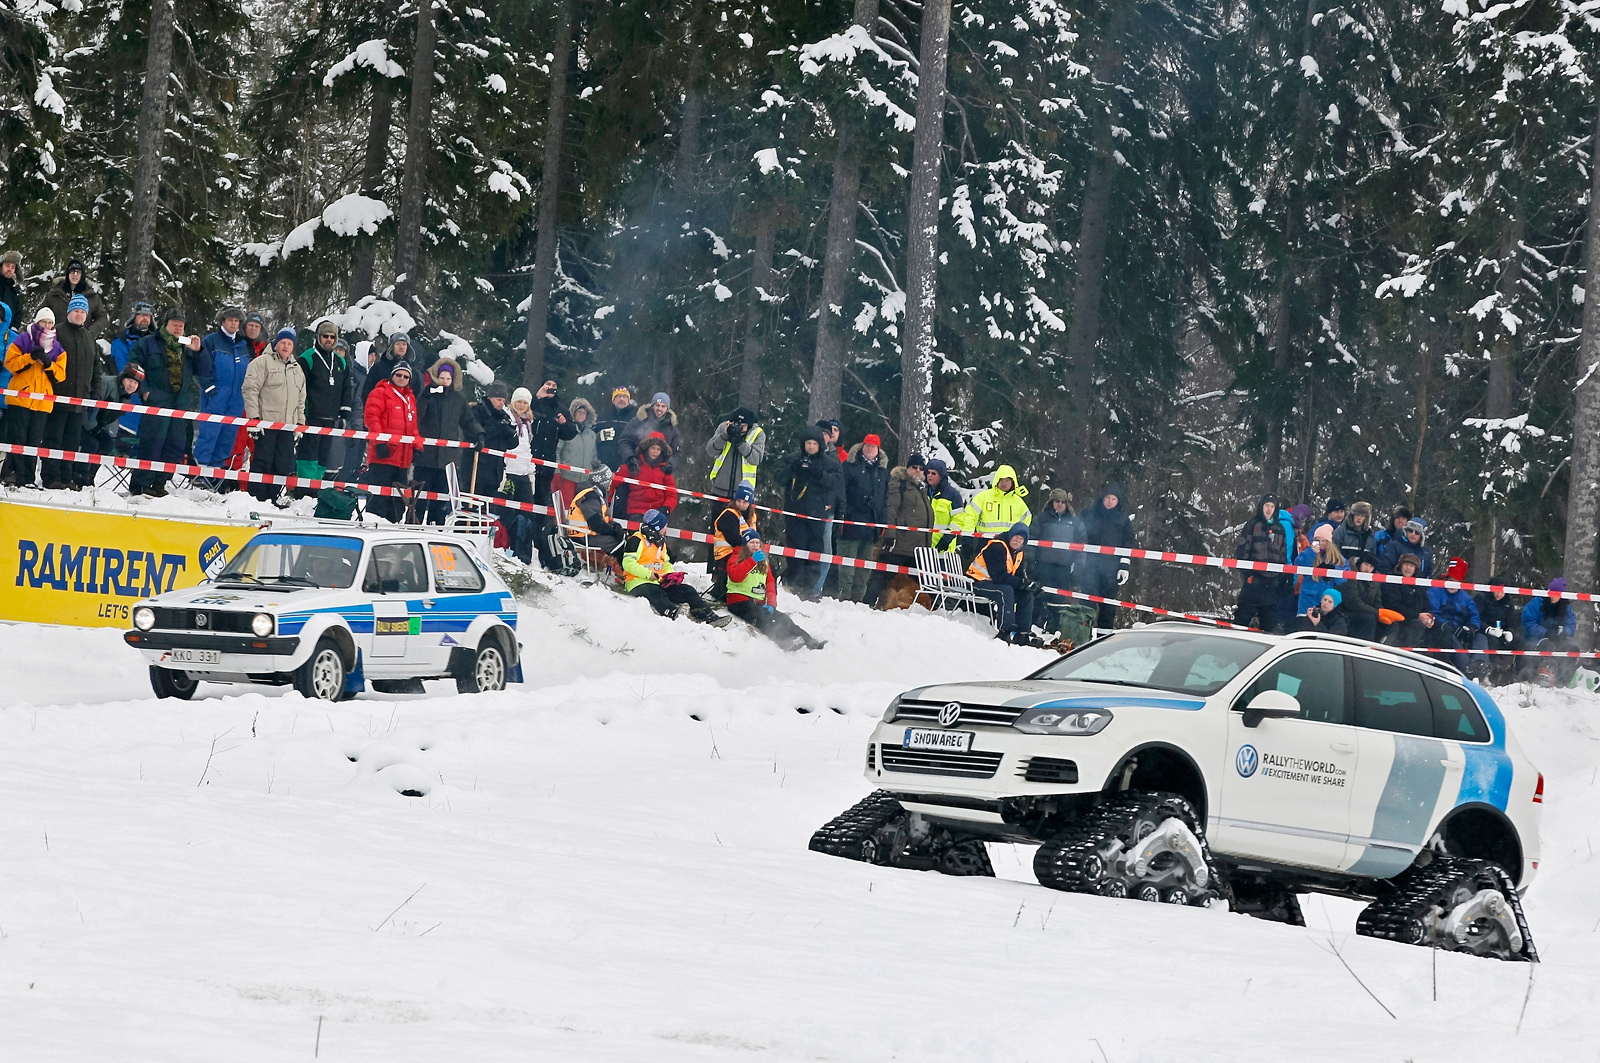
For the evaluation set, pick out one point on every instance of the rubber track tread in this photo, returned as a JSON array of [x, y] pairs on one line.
[[1060, 862], [1399, 915], [843, 834]]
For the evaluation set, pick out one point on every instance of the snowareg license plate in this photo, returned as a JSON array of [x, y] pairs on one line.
[[195, 656], [938, 741]]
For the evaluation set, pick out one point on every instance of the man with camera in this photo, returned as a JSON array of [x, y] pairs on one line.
[[735, 449]]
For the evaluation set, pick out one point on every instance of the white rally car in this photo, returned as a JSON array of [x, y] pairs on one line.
[[1186, 764], [333, 611]]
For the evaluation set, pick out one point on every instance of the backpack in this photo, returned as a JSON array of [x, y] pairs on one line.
[[337, 503]]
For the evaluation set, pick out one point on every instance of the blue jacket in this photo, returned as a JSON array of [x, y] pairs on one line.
[[1311, 590], [1537, 625], [1390, 552], [223, 363], [151, 354], [1288, 536], [121, 348], [1453, 607]]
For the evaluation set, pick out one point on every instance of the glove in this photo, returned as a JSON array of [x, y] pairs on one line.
[[1508, 636], [298, 433], [255, 431], [736, 434], [381, 450], [1122, 577], [606, 435], [1390, 616], [340, 423], [672, 579], [344, 411]]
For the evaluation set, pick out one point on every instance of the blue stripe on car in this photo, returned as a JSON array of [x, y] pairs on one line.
[[1487, 778], [1095, 702]]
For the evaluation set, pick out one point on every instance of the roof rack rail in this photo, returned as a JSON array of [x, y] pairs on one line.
[[1392, 651]]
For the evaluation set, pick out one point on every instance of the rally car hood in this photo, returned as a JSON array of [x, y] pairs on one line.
[[1039, 693], [273, 599]]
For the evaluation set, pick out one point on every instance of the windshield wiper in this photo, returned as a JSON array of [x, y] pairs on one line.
[[300, 581], [1140, 686], [237, 577]]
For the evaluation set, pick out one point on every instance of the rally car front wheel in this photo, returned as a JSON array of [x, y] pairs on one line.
[[322, 676], [168, 683]]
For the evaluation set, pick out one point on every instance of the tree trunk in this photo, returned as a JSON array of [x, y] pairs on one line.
[[544, 254], [1498, 398], [118, 153], [760, 287], [922, 236], [1272, 460], [138, 283], [1424, 377], [839, 256], [684, 169], [378, 125], [1083, 336], [1582, 496], [414, 183]]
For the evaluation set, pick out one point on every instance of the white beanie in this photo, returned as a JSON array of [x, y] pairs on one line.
[[522, 395], [45, 314]]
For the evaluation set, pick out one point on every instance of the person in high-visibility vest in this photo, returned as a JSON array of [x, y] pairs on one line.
[[944, 500], [735, 518], [736, 449], [752, 591], [997, 507], [588, 521], [647, 573], [997, 573]]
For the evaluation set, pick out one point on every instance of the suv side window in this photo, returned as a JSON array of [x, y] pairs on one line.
[[1455, 715], [453, 570], [1316, 680], [1390, 698], [397, 568]]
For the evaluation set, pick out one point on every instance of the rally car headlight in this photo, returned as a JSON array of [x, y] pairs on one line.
[[1063, 721], [261, 624], [144, 618], [892, 711]]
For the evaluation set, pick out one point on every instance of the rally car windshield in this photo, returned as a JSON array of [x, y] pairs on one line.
[[1179, 661], [327, 561]]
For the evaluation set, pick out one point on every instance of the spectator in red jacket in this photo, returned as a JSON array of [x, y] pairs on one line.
[[652, 466], [391, 407]]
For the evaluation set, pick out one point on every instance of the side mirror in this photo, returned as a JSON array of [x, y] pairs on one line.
[[1270, 705]]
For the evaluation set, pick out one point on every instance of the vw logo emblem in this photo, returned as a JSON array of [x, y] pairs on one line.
[[201, 620], [1247, 761], [950, 715]]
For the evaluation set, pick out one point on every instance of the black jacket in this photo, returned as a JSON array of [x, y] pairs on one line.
[[1507, 612], [445, 415], [151, 355], [1362, 598], [610, 450], [810, 481], [1334, 623], [499, 433], [329, 384], [1051, 565], [994, 555], [11, 296], [83, 360], [59, 294], [1097, 573], [1409, 601], [546, 432], [866, 495], [384, 364]]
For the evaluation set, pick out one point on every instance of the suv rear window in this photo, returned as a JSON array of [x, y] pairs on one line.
[[1390, 698], [1455, 715]]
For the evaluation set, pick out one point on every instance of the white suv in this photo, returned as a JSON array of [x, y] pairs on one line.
[[1185, 764]]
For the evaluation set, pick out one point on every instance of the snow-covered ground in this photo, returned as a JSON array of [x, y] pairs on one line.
[[610, 863]]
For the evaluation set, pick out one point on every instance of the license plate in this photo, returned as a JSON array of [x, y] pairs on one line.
[[195, 656], [937, 741]]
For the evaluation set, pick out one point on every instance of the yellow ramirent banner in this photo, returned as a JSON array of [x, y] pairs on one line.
[[86, 567]]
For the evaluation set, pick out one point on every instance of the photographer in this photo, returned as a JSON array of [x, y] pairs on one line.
[[736, 449], [1327, 616]]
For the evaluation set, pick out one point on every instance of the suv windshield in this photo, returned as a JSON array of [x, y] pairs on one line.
[[1182, 661], [296, 561]]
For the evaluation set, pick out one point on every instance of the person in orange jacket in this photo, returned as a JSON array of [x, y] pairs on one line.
[[37, 363]]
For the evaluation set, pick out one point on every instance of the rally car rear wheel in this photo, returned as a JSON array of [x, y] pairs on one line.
[[322, 676], [487, 671], [172, 684]]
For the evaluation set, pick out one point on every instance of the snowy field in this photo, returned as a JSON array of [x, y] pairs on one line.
[[610, 863]]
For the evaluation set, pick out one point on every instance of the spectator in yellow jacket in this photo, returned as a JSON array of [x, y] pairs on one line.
[[997, 507], [37, 363]]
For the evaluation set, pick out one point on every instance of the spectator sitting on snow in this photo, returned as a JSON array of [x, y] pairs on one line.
[[1412, 541], [1502, 618], [1362, 601], [1326, 616], [647, 573], [1456, 623], [1549, 623], [588, 521], [750, 593], [1406, 609]]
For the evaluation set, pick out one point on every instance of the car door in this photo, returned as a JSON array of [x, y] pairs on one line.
[[1405, 768], [1286, 786], [397, 579], [458, 599]]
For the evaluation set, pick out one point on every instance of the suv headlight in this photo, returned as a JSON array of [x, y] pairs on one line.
[[144, 618], [261, 624], [1063, 721], [892, 711]]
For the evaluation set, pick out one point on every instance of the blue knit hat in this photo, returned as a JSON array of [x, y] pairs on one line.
[[77, 302], [1331, 592], [750, 536], [1018, 528], [285, 333], [745, 492]]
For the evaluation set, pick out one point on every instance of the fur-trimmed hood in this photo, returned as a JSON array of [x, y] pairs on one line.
[[654, 437], [671, 417], [582, 404], [455, 373]]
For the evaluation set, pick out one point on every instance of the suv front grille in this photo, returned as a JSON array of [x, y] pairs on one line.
[[233, 623], [992, 715], [925, 762], [1048, 769]]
